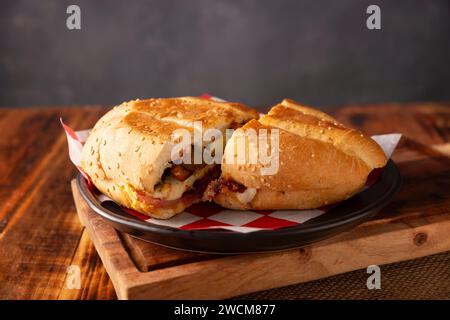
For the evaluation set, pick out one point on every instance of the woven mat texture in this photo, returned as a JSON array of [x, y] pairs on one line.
[[424, 278]]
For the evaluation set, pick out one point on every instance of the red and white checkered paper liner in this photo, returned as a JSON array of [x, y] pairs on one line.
[[203, 216]]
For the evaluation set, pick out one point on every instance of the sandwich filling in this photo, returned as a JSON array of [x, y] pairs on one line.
[[180, 185], [189, 194], [224, 185], [186, 181]]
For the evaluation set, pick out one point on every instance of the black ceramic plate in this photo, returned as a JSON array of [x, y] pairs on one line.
[[342, 217]]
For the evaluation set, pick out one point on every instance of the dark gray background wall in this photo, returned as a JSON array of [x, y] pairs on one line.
[[253, 51]]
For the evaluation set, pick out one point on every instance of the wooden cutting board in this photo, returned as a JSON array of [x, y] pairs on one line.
[[415, 224]]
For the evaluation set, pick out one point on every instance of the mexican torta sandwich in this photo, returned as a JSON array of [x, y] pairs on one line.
[[128, 153]]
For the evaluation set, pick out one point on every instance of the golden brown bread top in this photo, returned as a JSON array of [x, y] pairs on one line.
[[184, 111], [292, 105], [315, 152], [310, 123]]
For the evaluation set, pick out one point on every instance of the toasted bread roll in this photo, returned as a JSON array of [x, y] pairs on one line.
[[128, 153], [320, 162]]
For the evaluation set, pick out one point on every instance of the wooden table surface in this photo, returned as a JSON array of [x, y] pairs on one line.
[[40, 235]]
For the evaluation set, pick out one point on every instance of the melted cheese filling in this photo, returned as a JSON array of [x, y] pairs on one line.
[[173, 189]]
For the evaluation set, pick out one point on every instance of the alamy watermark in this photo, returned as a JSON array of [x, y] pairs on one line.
[[373, 22], [73, 279], [73, 21], [248, 146], [374, 280]]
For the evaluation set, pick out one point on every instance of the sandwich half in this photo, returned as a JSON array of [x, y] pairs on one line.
[[128, 155], [320, 162]]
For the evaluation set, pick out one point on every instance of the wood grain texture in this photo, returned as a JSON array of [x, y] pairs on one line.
[[40, 235], [39, 231], [148, 258], [401, 232], [95, 282]]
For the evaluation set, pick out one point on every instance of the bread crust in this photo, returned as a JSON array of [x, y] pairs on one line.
[[267, 199], [130, 146], [320, 161]]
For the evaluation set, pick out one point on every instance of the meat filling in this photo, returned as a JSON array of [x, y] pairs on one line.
[[220, 185], [189, 196], [179, 172], [232, 185], [183, 171]]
